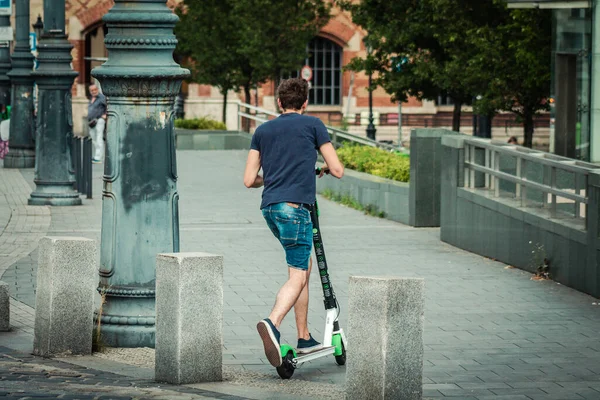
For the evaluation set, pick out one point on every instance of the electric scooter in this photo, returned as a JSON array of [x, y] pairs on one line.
[[334, 340]]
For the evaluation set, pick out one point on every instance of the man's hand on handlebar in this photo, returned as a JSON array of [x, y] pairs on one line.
[[322, 171]]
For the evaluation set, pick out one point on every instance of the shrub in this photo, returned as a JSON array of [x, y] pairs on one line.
[[374, 161], [200, 123]]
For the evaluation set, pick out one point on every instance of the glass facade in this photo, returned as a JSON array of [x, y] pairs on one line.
[[571, 82]]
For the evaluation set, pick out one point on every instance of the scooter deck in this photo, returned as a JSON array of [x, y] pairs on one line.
[[314, 354]]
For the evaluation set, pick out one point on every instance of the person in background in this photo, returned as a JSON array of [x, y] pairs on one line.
[[512, 140], [97, 121], [4, 129]]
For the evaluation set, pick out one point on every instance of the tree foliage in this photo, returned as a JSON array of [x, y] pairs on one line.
[[465, 49], [233, 44], [520, 66]]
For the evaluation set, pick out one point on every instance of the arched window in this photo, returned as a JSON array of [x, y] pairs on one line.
[[325, 59]]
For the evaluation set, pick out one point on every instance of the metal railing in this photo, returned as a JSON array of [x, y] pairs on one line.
[[338, 136], [500, 167]]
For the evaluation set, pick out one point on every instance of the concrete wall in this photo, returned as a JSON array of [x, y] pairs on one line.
[[425, 174], [498, 228], [416, 203], [386, 195], [188, 139]]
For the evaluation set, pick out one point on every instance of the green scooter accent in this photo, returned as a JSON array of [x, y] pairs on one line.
[[336, 341], [285, 348]]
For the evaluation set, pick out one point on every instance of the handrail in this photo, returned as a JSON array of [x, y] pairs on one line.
[[487, 162], [525, 153], [335, 133]]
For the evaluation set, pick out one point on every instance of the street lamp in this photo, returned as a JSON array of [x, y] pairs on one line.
[[140, 213], [21, 153], [370, 128], [38, 27], [54, 78]]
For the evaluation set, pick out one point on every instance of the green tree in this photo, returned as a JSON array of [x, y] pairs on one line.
[[430, 35], [204, 39], [235, 44], [519, 57], [465, 49]]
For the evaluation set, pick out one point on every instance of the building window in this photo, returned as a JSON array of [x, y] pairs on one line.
[[444, 100], [325, 59]]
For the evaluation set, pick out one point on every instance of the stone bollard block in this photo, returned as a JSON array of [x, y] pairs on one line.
[[4, 307], [385, 336], [66, 281], [189, 318]]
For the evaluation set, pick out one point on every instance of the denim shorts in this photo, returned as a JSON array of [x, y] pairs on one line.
[[293, 228]]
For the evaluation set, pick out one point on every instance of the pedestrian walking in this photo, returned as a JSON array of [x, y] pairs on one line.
[[97, 122]]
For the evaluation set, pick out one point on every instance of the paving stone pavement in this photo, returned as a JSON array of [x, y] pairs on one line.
[[490, 331]]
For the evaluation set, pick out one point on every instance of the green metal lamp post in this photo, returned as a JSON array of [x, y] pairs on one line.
[[370, 127], [54, 175], [140, 202], [5, 61], [21, 153]]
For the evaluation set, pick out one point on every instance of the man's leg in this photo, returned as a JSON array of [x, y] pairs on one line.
[[288, 295], [268, 329], [301, 308]]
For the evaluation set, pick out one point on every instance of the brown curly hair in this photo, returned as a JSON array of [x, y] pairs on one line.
[[292, 93]]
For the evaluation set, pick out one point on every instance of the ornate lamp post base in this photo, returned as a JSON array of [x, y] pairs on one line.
[[20, 158], [54, 174], [140, 216], [54, 195], [129, 320]]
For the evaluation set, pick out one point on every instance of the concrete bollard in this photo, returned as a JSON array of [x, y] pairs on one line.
[[385, 336], [4, 307], [189, 318], [66, 281]]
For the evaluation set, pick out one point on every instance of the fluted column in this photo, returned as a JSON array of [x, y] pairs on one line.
[[140, 200]]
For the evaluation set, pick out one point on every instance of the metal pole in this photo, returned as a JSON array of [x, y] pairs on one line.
[[371, 128], [21, 153], [140, 212], [74, 144], [84, 165], [400, 123], [88, 165], [53, 175], [5, 59]]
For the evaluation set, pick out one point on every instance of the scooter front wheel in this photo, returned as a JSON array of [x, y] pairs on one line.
[[341, 359], [286, 370]]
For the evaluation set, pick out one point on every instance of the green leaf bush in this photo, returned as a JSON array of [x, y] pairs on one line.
[[374, 161], [200, 123]]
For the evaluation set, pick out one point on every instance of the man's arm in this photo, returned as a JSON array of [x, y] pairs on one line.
[[332, 161], [251, 177]]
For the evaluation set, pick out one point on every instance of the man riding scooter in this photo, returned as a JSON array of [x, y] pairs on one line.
[[286, 150]]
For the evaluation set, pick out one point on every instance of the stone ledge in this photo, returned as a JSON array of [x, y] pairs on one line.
[[192, 139], [388, 196]]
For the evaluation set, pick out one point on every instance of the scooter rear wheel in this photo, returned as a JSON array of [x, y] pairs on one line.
[[286, 370]]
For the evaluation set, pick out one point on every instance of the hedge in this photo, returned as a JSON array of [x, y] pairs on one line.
[[200, 123], [375, 161]]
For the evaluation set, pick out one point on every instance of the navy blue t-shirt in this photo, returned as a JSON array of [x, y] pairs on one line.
[[288, 154]]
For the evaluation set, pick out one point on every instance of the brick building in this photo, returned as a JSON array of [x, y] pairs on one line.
[[335, 94]]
